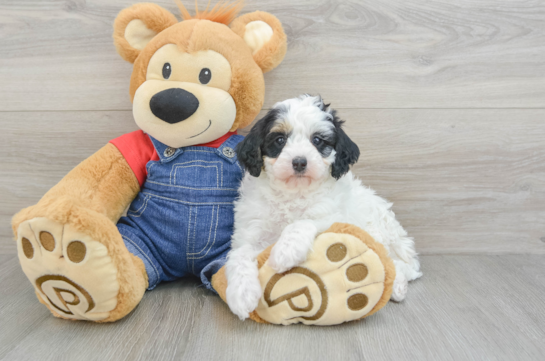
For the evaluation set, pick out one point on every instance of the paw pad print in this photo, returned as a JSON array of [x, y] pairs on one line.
[[355, 273], [341, 280], [73, 274], [75, 250]]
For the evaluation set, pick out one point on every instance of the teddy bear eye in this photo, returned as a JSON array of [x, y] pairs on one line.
[[205, 76], [167, 69]]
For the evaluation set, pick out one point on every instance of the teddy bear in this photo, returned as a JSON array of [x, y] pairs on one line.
[[156, 204]]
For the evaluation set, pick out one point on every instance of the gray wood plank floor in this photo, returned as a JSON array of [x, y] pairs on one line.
[[446, 100], [465, 308]]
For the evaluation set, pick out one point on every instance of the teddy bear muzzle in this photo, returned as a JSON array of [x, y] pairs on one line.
[[173, 105]]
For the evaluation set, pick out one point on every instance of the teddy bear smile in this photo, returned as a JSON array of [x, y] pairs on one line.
[[209, 124]]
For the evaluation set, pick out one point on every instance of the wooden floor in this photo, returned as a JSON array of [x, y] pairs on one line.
[[446, 100], [466, 308]]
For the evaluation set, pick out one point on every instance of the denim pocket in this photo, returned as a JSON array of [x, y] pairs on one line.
[[203, 229], [198, 174], [210, 235]]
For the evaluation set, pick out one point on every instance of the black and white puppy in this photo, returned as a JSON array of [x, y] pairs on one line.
[[298, 183]]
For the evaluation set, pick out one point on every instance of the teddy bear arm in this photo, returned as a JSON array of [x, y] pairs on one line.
[[104, 183]]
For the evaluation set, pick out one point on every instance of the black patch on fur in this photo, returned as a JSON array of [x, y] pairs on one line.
[[326, 144], [271, 146], [259, 143], [347, 152]]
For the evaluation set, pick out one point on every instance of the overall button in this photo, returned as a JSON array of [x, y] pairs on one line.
[[169, 152], [228, 152]]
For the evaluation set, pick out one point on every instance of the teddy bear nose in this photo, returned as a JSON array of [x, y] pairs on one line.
[[173, 105]]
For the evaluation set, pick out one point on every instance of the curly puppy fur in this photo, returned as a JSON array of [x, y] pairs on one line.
[[298, 184]]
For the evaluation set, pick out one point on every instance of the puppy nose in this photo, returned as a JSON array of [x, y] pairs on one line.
[[173, 105], [299, 164]]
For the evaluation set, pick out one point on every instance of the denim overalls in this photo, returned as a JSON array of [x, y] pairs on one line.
[[181, 222]]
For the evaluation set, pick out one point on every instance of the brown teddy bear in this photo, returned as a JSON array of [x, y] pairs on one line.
[[194, 83]]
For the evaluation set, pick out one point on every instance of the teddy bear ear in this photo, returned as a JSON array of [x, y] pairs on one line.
[[135, 26], [263, 33]]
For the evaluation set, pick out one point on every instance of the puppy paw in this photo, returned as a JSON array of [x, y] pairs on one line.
[[243, 297], [399, 290], [292, 248], [285, 256]]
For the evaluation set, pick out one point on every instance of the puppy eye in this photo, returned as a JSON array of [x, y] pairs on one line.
[[316, 141], [167, 69], [280, 140], [205, 76]]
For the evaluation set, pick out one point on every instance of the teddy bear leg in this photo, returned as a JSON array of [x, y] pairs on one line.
[[80, 275], [347, 276]]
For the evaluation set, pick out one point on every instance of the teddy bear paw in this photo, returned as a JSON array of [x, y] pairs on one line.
[[346, 276], [73, 275]]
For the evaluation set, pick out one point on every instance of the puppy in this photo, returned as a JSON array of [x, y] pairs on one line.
[[298, 183]]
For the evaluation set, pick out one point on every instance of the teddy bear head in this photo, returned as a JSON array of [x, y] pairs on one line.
[[196, 80]]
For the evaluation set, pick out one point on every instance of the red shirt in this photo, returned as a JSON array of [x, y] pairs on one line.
[[138, 150]]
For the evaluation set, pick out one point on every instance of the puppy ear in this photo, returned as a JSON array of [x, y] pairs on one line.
[[263, 33], [347, 152], [249, 151], [135, 26]]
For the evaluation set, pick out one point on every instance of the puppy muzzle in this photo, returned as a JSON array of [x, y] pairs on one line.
[[299, 165]]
